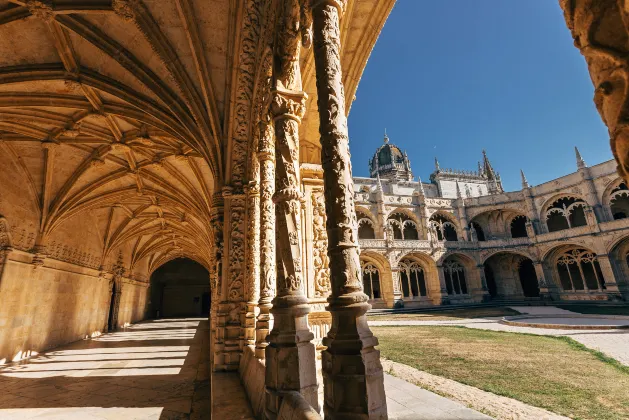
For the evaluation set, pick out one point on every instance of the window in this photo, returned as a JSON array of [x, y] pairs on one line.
[[401, 226], [455, 278], [518, 227], [371, 281], [566, 213], [412, 279], [578, 269], [443, 228], [365, 227], [619, 202]]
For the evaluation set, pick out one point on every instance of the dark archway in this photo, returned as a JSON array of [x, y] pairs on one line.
[[491, 281], [180, 287], [528, 278], [518, 227]]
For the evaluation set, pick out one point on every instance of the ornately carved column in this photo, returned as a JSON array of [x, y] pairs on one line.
[[266, 157], [352, 373], [290, 355], [252, 280], [600, 31]]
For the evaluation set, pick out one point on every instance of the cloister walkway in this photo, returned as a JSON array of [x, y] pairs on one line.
[[151, 370]]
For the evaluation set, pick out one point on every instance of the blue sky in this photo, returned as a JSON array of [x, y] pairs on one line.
[[449, 78]]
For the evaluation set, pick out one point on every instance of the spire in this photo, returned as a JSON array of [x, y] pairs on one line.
[[386, 138], [379, 184], [580, 162], [437, 168], [458, 190], [525, 183], [487, 168]]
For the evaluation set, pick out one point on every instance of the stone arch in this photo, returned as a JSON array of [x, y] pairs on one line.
[[574, 268], [495, 223], [367, 226], [403, 224], [444, 226], [470, 268], [617, 202], [510, 275], [606, 196], [618, 253], [410, 280], [517, 226], [384, 278], [564, 211]]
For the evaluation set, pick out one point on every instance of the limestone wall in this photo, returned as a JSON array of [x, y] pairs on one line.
[[132, 302], [55, 304]]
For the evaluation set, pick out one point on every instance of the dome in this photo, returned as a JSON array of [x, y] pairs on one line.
[[390, 162]]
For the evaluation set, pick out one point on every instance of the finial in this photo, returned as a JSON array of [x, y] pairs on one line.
[[386, 138], [437, 165], [420, 187], [525, 183], [458, 190], [379, 184], [580, 162]]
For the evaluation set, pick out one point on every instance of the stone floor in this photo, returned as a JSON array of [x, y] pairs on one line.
[[152, 370], [614, 343]]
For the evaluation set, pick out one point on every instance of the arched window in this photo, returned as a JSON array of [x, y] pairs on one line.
[[455, 277], [619, 202], [579, 269], [412, 279], [443, 228], [566, 213], [371, 281], [476, 229], [402, 226], [518, 227], [365, 227]]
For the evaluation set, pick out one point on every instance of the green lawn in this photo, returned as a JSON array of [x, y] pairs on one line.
[[449, 315], [554, 373], [600, 310]]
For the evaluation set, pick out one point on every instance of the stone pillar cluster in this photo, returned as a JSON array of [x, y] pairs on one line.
[[352, 373]]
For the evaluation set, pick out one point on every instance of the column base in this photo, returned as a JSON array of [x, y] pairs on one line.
[[352, 373], [290, 359]]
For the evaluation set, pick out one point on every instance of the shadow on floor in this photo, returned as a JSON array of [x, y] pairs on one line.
[[151, 370]]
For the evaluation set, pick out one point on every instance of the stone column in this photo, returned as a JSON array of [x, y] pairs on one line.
[[252, 280], [443, 289], [290, 355], [216, 224], [266, 157], [398, 297], [547, 288], [483, 282], [600, 30], [352, 373], [611, 286]]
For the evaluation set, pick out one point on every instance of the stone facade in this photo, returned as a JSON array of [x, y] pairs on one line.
[[424, 244]]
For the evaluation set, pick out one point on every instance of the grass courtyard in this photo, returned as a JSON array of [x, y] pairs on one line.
[[448, 315], [555, 373], [597, 310]]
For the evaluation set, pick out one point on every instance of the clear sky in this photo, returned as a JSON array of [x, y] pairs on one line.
[[449, 78]]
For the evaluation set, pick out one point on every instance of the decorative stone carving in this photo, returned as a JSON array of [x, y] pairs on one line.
[[352, 373], [320, 246]]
